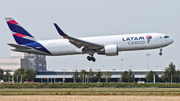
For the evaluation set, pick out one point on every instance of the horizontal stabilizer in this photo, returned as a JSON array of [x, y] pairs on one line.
[[19, 46]]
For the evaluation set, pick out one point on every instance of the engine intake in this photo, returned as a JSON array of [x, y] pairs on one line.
[[111, 50]]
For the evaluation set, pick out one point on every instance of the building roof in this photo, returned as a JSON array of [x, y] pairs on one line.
[[115, 74]]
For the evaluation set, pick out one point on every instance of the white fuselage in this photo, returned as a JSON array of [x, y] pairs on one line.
[[127, 42]]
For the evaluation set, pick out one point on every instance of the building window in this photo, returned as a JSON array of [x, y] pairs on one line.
[[13, 64], [40, 64]]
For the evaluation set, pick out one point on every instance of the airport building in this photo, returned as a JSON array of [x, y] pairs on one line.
[[25, 60], [57, 76], [38, 63]]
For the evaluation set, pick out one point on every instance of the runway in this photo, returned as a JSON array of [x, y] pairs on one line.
[[87, 98]]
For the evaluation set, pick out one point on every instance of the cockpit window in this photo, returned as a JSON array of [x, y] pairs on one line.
[[166, 37]]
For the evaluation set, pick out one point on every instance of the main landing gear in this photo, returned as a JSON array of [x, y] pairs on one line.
[[160, 52], [91, 58]]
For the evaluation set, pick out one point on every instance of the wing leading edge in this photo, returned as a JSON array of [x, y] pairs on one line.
[[78, 42]]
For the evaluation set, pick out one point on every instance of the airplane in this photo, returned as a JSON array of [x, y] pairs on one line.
[[103, 45]]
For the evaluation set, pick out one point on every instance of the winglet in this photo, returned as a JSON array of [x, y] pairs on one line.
[[60, 31]]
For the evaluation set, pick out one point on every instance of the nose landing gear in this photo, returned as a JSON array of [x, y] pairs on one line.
[[160, 52]]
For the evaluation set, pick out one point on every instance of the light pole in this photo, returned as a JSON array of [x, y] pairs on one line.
[[147, 63], [134, 64], [64, 72], [121, 63]]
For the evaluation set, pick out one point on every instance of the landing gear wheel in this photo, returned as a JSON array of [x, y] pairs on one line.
[[89, 58], [160, 51], [93, 59]]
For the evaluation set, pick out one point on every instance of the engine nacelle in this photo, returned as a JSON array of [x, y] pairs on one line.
[[111, 50]]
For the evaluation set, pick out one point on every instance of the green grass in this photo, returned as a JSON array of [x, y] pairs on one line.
[[86, 85], [93, 89], [89, 91]]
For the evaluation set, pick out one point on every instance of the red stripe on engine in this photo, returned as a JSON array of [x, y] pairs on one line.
[[19, 35], [12, 22], [64, 38]]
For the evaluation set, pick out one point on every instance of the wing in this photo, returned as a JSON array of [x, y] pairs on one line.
[[19, 46], [78, 42]]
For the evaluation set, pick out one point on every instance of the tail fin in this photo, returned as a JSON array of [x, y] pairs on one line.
[[19, 33]]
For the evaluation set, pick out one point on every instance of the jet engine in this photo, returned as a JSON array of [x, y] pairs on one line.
[[111, 50]]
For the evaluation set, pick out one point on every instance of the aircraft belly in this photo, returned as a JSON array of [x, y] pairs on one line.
[[64, 50]]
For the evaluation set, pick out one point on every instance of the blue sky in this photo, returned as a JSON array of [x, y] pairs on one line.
[[83, 18]]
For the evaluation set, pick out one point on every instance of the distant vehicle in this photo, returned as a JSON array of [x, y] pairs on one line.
[[103, 45], [1, 81], [140, 81], [29, 82]]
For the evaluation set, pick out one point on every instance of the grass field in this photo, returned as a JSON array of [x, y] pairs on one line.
[[93, 91]]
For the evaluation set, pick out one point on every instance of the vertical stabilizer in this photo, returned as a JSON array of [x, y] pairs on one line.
[[20, 35]]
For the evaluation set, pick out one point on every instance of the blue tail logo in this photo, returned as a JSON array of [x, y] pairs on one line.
[[20, 35]]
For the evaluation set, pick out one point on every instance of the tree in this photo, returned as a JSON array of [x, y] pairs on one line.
[[130, 76], [18, 74], [6, 76], [169, 71], [176, 76], [124, 76], [29, 75], [75, 76], [150, 76], [107, 76], [127, 76], [91, 75], [98, 76], [1, 74], [82, 75]]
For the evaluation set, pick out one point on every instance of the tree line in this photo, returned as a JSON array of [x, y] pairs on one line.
[[20, 75], [85, 76], [90, 76], [169, 75]]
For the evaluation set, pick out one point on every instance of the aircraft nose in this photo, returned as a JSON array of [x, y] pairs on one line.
[[171, 41]]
